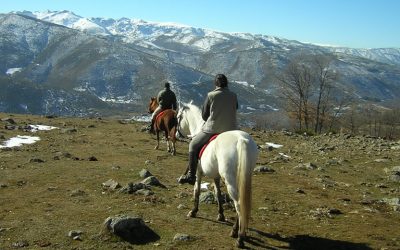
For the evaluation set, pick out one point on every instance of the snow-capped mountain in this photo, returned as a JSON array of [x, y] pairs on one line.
[[145, 33], [59, 62], [67, 19], [168, 35], [385, 55]]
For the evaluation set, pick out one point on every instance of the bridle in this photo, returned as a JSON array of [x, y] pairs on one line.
[[153, 105], [178, 129]]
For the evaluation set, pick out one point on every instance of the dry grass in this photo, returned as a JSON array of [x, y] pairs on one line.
[[290, 206]]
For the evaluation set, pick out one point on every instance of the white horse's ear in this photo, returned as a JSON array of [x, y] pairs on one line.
[[191, 102]]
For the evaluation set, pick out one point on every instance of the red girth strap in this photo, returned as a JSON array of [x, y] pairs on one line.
[[205, 145], [159, 115]]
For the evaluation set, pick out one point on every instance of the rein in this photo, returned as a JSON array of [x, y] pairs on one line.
[[191, 123]]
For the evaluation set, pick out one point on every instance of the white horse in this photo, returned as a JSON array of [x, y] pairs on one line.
[[231, 156]]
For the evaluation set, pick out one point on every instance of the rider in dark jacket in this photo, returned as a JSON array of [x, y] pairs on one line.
[[166, 99]]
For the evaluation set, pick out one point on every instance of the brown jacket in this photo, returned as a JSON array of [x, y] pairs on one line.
[[219, 111]]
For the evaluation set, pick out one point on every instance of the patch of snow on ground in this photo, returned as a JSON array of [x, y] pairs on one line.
[[80, 89], [274, 109], [118, 100], [285, 156], [142, 118], [19, 140], [35, 128], [204, 186], [246, 84], [13, 71], [270, 144]]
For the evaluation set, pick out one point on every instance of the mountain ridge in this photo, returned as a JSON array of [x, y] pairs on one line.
[[121, 75], [109, 26]]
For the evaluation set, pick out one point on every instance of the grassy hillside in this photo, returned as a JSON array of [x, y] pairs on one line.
[[332, 193]]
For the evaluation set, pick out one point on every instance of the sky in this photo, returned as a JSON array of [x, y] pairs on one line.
[[347, 23]]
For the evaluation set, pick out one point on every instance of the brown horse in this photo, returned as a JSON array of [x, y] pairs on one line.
[[165, 121]]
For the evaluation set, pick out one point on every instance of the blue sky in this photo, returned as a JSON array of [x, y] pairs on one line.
[[350, 23]]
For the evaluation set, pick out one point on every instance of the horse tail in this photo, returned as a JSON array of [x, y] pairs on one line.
[[245, 168]]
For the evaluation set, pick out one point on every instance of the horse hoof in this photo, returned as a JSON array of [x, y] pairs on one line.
[[221, 218], [191, 214], [234, 234], [240, 243], [156, 147]]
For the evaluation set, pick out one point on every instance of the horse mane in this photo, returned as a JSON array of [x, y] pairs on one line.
[[192, 107], [194, 114]]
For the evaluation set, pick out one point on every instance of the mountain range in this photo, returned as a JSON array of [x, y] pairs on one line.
[[57, 62]]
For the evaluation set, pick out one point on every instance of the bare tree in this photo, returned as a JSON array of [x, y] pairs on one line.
[[312, 100], [340, 104], [296, 81], [353, 120], [391, 122], [307, 84], [324, 78]]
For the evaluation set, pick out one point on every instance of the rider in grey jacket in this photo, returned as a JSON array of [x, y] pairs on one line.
[[219, 114]]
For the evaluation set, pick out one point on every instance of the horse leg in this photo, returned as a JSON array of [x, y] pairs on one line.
[[235, 228], [173, 140], [173, 148], [240, 241], [158, 139], [196, 193], [233, 193], [167, 140], [217, 182]]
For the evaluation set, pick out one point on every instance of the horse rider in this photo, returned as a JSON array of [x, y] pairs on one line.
[[219, 113], [166, 99]]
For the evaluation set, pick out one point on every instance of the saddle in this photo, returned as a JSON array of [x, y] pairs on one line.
[[205, 145]]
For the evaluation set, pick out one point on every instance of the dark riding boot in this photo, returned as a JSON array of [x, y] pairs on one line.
[[151, 127], [190, 176]]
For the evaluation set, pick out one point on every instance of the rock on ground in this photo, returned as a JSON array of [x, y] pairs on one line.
[[130, 228]]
